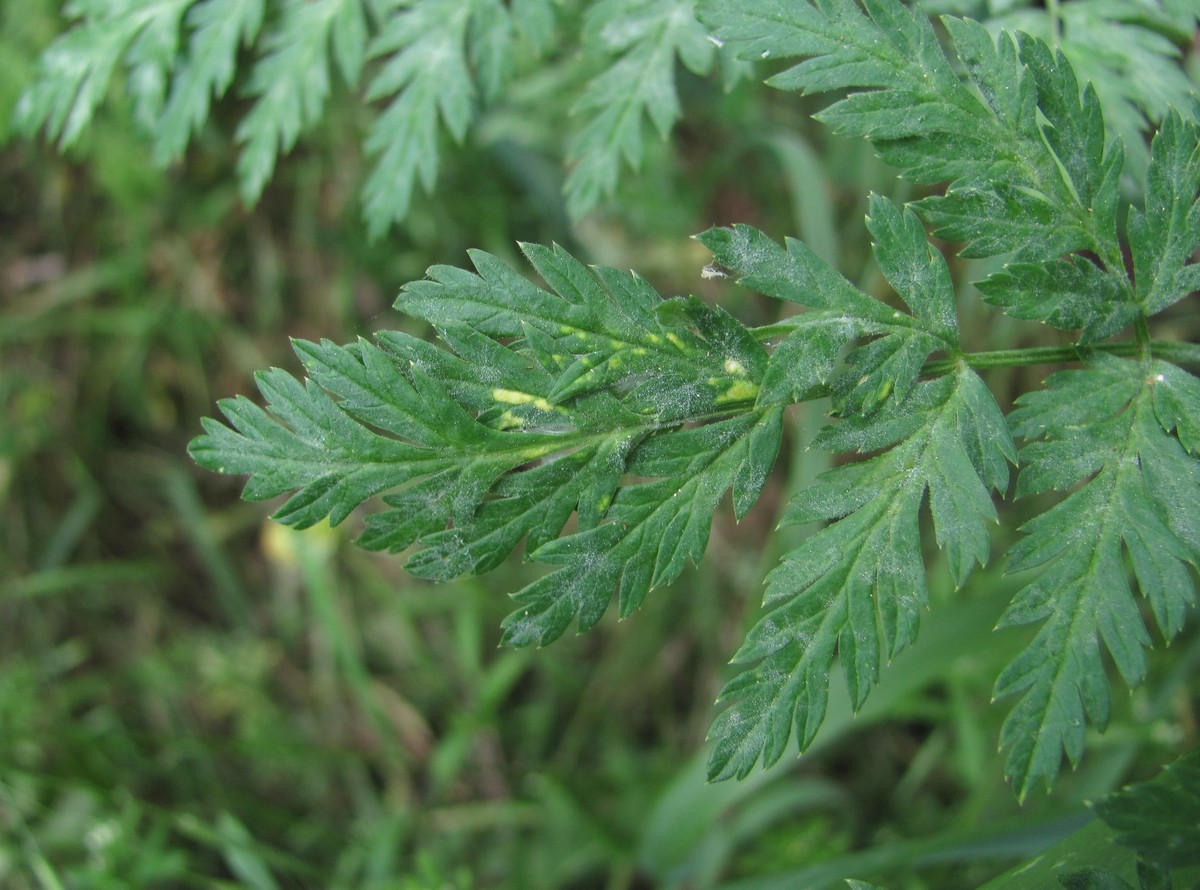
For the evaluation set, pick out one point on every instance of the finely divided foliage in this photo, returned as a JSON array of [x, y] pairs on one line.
[[1105, 433], [423, 65], [486, 445], [78, 66], [422, 48], [646, 38], [856, 587], [598, 426], [1031, 174], [1129, 50]]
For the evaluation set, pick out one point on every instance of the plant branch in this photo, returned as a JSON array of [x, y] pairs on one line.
[[1170, 350]]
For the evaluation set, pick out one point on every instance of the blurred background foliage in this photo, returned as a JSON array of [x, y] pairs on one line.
[[191, 696]]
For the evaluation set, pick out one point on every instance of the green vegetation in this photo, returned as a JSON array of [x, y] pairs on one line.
[[192, 695]]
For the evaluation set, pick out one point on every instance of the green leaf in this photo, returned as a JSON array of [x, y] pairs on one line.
[[1098, 427], [805, 361], [1163, 237], [646, 38], [490, 40], [632, 413], [218, 29], [1023, 149], [793, 273], [75, 71], [885, 367], [333, 462], [600, 329], [1129, 50], [1066, 294], [856, 587], [427, 51], [1176, 399], [535, 20], [652, 528], [1053, 188], [913, 267], [1160, 818], [291, 82]]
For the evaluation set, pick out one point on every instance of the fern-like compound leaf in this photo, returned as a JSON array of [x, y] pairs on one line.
[[600, 329], [75, 71], [1077, 293], [597, 426], [1108, 429], [1024, 150], [291, 82], [426, 71], [219, 28], [646, 39], [1032, 173], [1129, 50], [898, 343], [595, 398], [855, 588]]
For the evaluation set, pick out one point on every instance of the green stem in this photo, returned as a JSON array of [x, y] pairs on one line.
[[1141, 335], [1172, 351], [1141, 347], [766, 332]]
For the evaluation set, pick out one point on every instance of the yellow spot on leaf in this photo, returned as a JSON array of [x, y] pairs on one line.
[[513, 397], [509, 421], [739, 391]]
